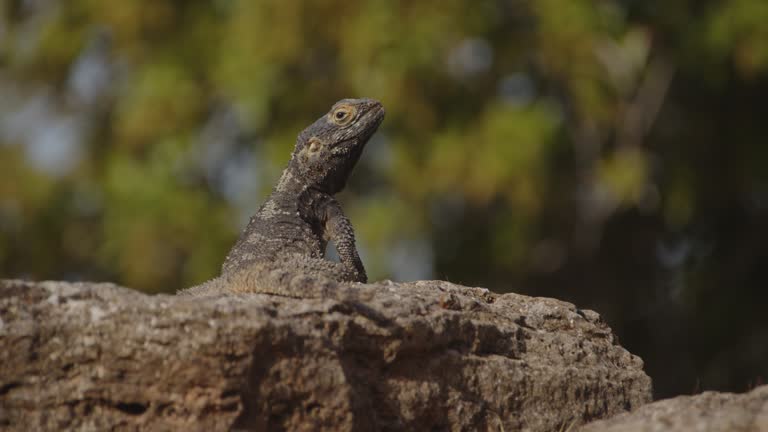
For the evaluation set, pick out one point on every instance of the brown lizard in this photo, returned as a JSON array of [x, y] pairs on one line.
[[282, 249]]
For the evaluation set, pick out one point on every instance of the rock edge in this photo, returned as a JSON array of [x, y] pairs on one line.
[[426, 355]]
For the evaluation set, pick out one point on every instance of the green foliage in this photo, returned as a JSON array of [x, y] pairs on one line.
[[153, 225], [737, 31]]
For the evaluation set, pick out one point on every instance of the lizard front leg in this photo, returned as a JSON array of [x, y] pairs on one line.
[[338, 229]]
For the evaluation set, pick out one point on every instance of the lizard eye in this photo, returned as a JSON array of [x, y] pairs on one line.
[[343, 115]]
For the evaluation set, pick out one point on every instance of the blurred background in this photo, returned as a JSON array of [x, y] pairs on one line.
[[608, 153]]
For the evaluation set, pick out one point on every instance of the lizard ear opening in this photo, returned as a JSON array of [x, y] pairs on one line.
[[343, 115], [314, 144]]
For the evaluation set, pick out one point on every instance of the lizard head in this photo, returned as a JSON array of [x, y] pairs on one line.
[[327, 150]]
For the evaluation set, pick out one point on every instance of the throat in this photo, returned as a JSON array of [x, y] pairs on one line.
[[291, 183]]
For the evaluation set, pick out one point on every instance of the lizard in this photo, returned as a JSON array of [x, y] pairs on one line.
[[281, 251]]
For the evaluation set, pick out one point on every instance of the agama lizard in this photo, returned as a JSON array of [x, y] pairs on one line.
[[281, 250]]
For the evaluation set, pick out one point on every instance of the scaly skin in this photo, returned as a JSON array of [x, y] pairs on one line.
[[282, 248]]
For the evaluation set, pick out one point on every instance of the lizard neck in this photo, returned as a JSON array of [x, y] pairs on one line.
[[291, 182], [327, 180]]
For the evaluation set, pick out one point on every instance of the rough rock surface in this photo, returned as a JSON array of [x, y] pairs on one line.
[[410, 356], [705, 412]]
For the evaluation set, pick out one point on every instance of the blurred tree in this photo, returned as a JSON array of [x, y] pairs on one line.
[[607, 152]]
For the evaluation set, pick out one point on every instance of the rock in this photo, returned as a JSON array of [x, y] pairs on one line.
[[412, 356], [708, 411]]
